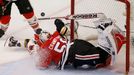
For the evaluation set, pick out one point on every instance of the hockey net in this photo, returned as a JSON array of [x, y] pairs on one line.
[[84, 12], [114, 9]]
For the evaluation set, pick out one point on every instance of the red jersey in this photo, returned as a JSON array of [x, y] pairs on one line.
[[51, 50], [1, 2]]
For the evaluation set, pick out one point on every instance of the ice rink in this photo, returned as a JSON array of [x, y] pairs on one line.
[[17, 61]]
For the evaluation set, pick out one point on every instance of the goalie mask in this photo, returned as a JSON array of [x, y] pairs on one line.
[[64, 30]]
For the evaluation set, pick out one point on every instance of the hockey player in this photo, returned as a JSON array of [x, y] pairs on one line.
[[110, 41], [24, 8], [49, 47], [58, 50]]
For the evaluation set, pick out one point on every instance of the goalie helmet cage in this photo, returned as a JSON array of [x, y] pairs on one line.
[[127, 10]]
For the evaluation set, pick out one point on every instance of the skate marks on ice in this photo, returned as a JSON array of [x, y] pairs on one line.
[[8, 54], [17, 61], [27, 67]]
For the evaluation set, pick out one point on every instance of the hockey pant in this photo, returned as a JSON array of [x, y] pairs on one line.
[[84, 53]]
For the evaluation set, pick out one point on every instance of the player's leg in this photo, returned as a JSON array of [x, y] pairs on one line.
[[5, 18], [27, 11]]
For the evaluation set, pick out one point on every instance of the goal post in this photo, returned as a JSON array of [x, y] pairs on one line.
[[72, 9], [127, 35], [75, 4], [85, 12]]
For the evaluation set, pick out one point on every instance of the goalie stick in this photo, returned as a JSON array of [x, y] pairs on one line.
[[77, 25], [78, 16], [85, 25]]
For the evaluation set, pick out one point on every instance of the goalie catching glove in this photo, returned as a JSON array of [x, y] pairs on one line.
[[61, 28], [65, 30]]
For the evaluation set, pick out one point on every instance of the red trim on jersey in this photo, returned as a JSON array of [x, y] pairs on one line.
[[28, 15], [1, 2], [87, 57], [5, 19], [120, 41], [34, 26]]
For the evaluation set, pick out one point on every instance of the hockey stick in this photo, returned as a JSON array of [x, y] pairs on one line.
[[84, 25], [77, 16], [49, 18], [77, 23], [88, 26]]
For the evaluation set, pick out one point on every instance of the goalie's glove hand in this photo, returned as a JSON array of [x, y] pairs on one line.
[[59, 24]]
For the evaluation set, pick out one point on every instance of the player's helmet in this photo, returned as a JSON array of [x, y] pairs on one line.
[[44, 35], [64, 30], [60, 26]]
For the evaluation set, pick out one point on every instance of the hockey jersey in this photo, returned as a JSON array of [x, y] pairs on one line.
[[51, 50], [1, 2]]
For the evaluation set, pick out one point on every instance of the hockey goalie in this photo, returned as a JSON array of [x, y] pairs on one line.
[[55, 49]]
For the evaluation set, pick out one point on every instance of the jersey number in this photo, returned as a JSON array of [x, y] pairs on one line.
[[58, 47]]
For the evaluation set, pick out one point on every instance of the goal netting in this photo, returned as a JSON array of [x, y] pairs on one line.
[[119, 10], [84, 12]]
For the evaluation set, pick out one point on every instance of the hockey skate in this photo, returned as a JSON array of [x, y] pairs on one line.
[[12, 42], [1, 33]]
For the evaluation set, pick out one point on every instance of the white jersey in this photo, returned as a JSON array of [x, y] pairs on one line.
[[105, 41], [111, 40], [102, 42]]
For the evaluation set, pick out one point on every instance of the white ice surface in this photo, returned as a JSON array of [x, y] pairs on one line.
[[17, 61], [21, 63]]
